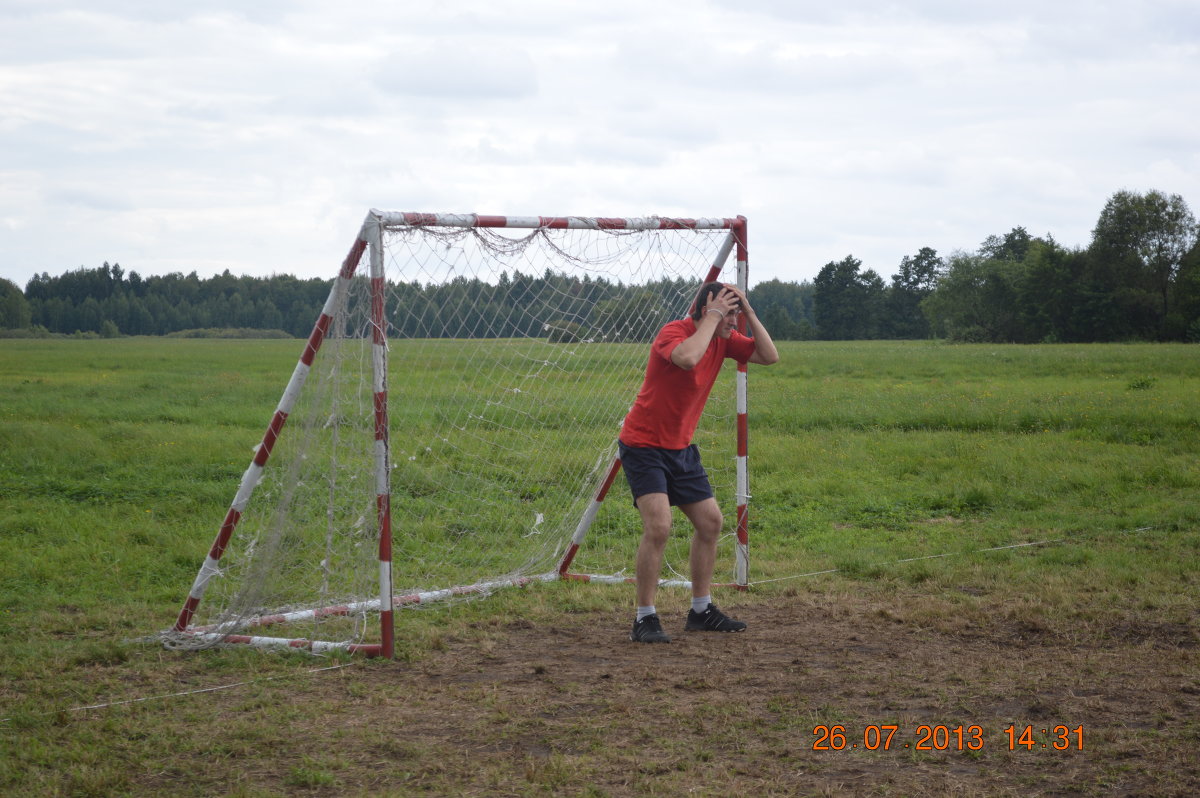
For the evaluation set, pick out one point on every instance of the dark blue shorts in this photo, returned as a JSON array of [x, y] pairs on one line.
[[675, 472]]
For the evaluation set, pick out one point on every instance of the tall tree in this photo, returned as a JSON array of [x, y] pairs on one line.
[[976, 300], [916, 280], [786, 308], [847, 302], [1012, 246], [1187, 297], [1050, 294], [1144, 238], [15, 313]]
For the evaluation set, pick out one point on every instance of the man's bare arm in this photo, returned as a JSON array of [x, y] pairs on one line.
[[765, 352]]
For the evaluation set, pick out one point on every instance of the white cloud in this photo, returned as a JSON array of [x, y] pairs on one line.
[[254, 137]]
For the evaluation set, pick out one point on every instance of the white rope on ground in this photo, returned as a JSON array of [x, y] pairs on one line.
[[937, 556], [187, 692]]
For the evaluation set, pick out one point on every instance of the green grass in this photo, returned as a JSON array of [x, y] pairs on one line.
[[895, 465], [117, 458]]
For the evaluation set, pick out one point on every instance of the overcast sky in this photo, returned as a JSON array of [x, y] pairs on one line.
[[254, 136]]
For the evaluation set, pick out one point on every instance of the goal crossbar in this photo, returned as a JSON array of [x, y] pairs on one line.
[[397, 219]]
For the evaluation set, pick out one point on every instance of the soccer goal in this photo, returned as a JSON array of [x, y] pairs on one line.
[[450, 428]]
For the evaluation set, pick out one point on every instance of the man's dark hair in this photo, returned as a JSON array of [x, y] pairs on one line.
[[706, 290]]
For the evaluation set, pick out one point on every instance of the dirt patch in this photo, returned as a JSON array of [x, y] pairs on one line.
[[575, 708]]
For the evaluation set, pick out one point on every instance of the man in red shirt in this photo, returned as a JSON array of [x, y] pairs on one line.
[[662, 464]]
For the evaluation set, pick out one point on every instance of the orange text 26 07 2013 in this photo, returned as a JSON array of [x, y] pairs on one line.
[[945, 737]]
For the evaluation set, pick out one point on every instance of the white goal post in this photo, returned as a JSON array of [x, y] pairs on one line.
[[451, 426]]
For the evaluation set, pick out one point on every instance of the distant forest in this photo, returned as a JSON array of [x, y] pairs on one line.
[[1138, 280]]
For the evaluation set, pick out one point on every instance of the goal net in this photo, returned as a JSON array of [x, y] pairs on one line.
[[451, 427]]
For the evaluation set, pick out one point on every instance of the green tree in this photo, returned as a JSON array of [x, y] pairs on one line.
[[1142, 239], [140, 320], [1016, 288], [636, 318], [786, 308], [848, 303], [1187, 297], [1050, 294], [15, 313], [916, 280], [976, 300], [1012, 246], [89, 317]]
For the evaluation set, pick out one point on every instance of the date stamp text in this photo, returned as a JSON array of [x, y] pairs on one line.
[[942, 737]]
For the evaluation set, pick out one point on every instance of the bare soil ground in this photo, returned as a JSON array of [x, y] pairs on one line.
[[576, 709]]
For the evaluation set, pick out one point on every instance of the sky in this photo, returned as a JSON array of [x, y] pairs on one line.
[[255, 136]]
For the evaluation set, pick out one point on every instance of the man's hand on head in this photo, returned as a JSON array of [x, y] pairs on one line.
[[743, 304], [727, 300]]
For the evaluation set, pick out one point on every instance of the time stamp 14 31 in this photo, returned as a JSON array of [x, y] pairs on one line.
[[930, 737]]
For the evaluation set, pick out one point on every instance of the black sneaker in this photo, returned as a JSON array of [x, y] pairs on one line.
[[649, 630], [712, 620]]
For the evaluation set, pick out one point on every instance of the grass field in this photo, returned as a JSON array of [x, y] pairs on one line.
[[944, 536]]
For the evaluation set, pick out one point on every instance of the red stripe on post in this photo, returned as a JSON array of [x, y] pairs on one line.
[[315, 338], [350, 264], [378, 322], [268, 441], [387, 636], [743, 433], [386, 628], [677, 224], [743, 524], [326, 612], [420, 218], [567, 558], [383, 514], [185, 614], [608, 480], [410, 598], [227, 527]]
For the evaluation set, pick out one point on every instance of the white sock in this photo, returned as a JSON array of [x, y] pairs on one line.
[[701, 604], [642, 612]]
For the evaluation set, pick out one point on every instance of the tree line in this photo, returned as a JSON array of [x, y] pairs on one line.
[[1138, 279]]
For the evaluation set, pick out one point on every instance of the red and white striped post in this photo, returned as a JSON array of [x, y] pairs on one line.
[[741, 566], [388, 219], [262, 452], [589, 515], [383, 465]]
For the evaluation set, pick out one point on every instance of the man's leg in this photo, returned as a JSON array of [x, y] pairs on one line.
[[656, 528], [704, 616], [707, 519]]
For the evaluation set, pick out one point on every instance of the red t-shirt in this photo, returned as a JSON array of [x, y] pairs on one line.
[[668, 406]]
